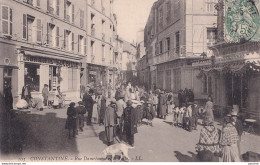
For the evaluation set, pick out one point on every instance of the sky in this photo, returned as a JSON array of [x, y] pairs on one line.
[[131, 17]]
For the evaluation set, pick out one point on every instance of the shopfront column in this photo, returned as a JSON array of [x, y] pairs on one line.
[[44, 75]]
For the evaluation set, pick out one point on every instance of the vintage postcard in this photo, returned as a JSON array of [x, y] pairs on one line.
[[129, 81]]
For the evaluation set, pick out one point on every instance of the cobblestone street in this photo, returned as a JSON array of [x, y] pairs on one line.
[[44, 138]]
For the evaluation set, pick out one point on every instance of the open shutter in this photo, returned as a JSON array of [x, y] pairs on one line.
[[72, 14], [48, 5], [24, 26], [57, 36], [72, 42], [65, 12], [58, 7], [85, 45], [64, 43]]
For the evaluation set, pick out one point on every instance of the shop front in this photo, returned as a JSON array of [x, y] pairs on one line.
[[97, 75], [234, 78], [36, 70]]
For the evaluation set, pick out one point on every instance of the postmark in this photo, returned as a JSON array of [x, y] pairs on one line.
[[241, 20]]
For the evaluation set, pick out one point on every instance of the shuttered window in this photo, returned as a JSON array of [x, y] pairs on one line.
[[65, 12], [6, 20], [38, 3]]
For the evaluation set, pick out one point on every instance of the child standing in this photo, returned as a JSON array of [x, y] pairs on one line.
[[71, 119]]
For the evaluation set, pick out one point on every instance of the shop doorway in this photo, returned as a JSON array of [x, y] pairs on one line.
[[32, 76], [53, 78], [236, 89]]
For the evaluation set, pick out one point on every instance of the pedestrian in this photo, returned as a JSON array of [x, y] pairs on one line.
[[88, 103], [130, 122], [155, 102], [45, 94], [150, 114], [208, 145], [26, 93], [120, 106], [189, 117], [181, 113], [180, 97], [195, 114], [169, 103], [71, 119], [110, 121], [102, 109], [191, 95], [175, 116], [229, 143], [209, 109], [95, 118], [238, 126], [163, 105], [81, 110], [140, 112]]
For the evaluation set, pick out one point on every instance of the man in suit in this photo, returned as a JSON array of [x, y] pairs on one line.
[[89, 102]]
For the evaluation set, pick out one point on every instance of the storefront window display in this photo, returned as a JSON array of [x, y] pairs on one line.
[[32, 76]]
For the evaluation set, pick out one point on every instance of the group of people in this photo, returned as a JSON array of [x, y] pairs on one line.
[[220, 145], [121, 114]]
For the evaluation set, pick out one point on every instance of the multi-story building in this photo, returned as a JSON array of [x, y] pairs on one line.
[[232, 75], [118, 59], [142, 71], [177, 33], [129, 61], [101, 32], [66, 43], [42, 42]]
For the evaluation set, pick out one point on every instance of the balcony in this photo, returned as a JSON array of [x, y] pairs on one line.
[[68, 18], [93, 32], [103, 36]]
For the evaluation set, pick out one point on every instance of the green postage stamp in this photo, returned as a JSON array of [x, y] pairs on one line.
[[241, 21]]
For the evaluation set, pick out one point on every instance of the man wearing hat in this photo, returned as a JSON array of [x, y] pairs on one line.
[[81, 110], [110, 121], [130, 122], [120, 106], [89, 102], [195, 114]]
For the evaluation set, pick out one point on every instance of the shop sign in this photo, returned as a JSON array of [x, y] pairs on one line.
[[93, 72]]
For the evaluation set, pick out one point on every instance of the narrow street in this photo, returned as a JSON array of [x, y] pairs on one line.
[[44, 138]]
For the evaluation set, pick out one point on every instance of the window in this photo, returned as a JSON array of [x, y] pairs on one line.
[[168, 40], [206, 85], [160, 47], [80, 44], [103, 52], [177, 9], [168, 12], [32, 28], [92, 24], [177, 46], [210, 5], [92, 46], [81, 18], [32, 76], [211, 36], [7, 20], [72, 78], [161, 17], [50, 34], [58, 7], [67, 38], [68, 11]]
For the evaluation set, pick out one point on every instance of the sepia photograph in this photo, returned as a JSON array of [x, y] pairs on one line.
[[129, 81]]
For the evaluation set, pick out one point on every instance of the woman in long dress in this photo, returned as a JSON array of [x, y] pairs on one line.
[[229, 142], [95, 109], [209, 109]]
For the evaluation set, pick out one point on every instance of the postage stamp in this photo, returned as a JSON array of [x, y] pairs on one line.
[[241, 20]]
